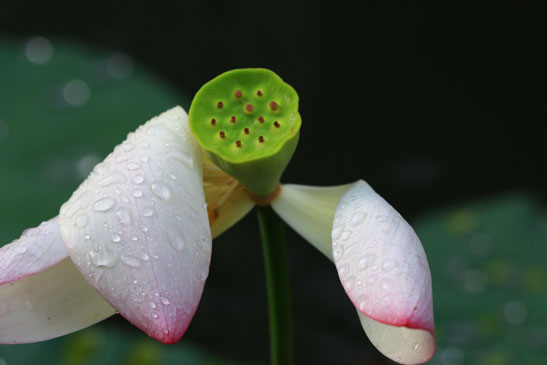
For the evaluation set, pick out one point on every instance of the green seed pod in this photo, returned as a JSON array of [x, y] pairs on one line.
[[248, 122]]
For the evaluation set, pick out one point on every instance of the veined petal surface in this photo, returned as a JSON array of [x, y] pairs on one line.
[[138, 229], [49, 304], [382, 265], [36, 250]]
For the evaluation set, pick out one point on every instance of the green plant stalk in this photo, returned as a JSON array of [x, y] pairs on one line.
[[272, 231]]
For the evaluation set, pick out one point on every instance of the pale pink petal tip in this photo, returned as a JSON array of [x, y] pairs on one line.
[[138, 230], [36, 250], [381, 262]]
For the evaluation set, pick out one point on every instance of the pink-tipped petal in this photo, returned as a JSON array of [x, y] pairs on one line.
[[49, 304], [381, 261], [138, 229], [36, 250]]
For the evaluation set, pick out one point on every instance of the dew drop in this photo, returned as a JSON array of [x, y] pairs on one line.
[[133, 166], [144, 159], [389, 265], [338, 252], [87, 237], [366, 261], [346, 235], [103, 205], [177, 243], [164, 301], [131, 261], [161, 191], [363, 302], [152, 305], [81, 220], [124, 216], [137, 193], [134, 238], [114, 178], [116, 238], [128, 147], [19, 250], [350, 282], [357, 218], [336, 233], [138, 179], [416, 346], [145, 257], [154, 316], [147, 212]]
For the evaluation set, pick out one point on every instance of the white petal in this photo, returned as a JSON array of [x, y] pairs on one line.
[[370, 251], [36, 250], [309, 210], [401, 344], [383, 267], [49, 304], [138, 230]]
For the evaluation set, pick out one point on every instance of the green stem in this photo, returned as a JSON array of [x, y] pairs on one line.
[[272, 231]]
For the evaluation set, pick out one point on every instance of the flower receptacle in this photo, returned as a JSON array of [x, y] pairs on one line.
[[247, 121]]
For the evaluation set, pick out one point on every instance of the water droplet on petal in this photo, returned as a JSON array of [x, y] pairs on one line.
[[338, 252], [138, 179], [336, 233], [137, 193], [389, 265], [177, 243], [19, 250], [346, 235], [81, 220], [116, 238], [131, 261], [115, 178], [133, 166], [152, 305], [103, 205], [161, 191], [357, 218], [366, 261], [124, 216], [147, 212], [164, 301]]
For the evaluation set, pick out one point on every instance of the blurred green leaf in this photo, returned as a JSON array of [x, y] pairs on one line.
[[48, 145], [489, 281]]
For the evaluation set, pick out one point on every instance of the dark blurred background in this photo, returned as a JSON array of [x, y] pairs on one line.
[[437, 107]]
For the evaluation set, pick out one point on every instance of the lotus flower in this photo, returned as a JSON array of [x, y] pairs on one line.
[[135, 238]]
